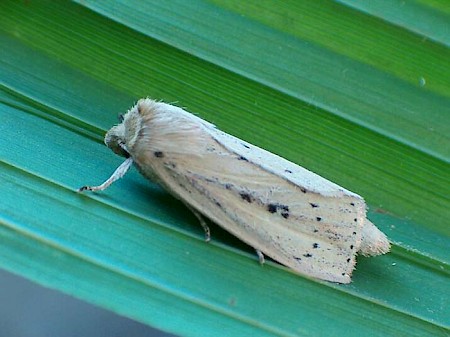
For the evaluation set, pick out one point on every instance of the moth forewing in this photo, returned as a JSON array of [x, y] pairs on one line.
[[281, 209]]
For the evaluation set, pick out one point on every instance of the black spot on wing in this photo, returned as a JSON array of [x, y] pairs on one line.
[[313, 205], [242, 158], [185, 188], [283, 209], [315, 245], [158, 154], [272, 208], [245, 196], [307, 255]]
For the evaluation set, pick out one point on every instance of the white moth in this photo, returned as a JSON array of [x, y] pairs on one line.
[[281, 209]]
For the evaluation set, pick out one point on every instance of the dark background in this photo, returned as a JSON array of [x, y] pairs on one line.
[[30, 310]]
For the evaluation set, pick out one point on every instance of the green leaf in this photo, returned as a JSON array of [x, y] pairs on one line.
[[357, 92]]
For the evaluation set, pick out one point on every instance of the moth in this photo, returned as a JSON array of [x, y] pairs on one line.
[[282, 210]]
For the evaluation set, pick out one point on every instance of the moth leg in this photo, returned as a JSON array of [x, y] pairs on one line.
[[260, 256], [202, 223], [118, 173]]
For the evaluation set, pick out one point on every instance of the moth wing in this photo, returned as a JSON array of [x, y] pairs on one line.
[[373, 241], [279, 166], [290, 214]]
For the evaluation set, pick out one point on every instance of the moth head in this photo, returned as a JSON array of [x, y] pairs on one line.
[[122, 137]]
